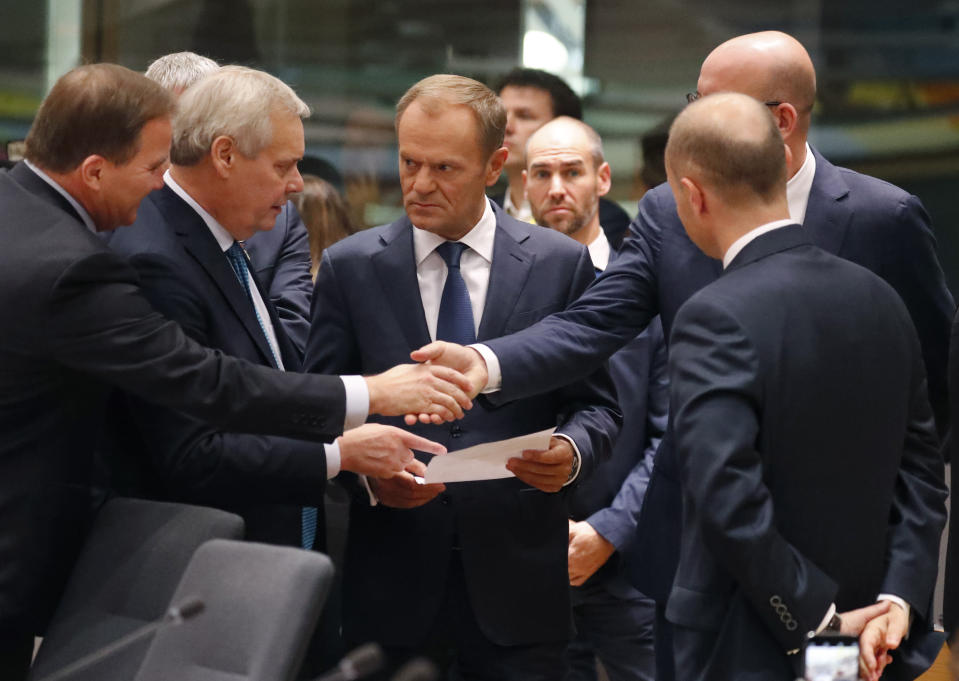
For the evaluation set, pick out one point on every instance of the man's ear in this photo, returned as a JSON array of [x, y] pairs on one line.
[[223, 153], [495, 165], [604, 179], [91, 171], [695, 197], [786, 118]]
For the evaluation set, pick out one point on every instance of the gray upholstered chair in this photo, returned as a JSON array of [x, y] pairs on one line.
[[125, 577], [261, 602]]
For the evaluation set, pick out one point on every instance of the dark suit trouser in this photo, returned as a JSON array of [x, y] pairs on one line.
[[665, 655], [16, 652], [458, 645], [617, 629]]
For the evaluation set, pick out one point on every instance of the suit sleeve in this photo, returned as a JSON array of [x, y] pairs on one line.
[[716, 395], [914, 271], [617, 522], [569, 345], [918, 512], [589, 413], [198, 462], [98, 322], [292, 285]]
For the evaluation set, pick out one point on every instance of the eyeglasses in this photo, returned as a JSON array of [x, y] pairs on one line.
[[693, 96]]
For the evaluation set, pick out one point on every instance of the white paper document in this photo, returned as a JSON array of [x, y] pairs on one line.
[[484, 462]]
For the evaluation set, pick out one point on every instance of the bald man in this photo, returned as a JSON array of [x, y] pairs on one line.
[[811, 480], [856, 217], [565, 175]]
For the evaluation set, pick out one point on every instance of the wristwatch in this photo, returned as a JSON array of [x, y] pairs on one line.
[[835, 624]]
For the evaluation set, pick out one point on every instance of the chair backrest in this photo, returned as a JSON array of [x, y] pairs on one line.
[[261, 602], [126, 574]]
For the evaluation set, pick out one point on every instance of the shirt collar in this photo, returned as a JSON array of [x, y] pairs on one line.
[[223, 237], [522, 212], [479, 239], [599, 251], [739, 244], [799, 186], [81, 211]]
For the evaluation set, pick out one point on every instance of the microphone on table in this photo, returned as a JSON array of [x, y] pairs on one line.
[[357, 664], [186, 609], [419, 669]]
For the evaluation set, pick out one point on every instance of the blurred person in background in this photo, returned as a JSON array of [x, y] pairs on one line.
[[325, 214]]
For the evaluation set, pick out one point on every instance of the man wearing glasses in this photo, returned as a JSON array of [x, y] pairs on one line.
[[856, 217]]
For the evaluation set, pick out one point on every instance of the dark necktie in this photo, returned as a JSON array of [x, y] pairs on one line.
[[455, 321], [238, 259]]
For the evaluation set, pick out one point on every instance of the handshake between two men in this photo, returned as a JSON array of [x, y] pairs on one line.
[[436, 390]]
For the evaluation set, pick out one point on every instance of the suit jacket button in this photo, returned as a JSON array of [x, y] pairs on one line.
[[444, 498], [456, 431]]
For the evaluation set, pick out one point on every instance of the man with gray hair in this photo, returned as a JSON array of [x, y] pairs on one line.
[[474, 571], [179, 70], [280, 256], [237, 137]]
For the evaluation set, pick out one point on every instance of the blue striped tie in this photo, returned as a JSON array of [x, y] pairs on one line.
[[455, 321], [238, 259]]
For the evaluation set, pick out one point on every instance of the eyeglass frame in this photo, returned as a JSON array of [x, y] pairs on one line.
[[693, 96]]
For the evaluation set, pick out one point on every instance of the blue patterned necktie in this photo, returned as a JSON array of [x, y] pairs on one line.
[[455, 321], [238, 259]]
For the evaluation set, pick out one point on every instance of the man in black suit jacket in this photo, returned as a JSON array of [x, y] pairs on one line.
[[75, 323], [180, 246], [476, 567], [854, 216], [566, 173], [533, 97], [809, 462]]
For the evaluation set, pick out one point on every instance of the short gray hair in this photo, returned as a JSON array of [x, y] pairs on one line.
[[237, 102], [178, 71]]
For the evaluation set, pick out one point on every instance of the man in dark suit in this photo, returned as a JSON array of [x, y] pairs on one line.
[[809, 462], [854, 216], [532, 97], [221, 189], [478, 567], [566, 173], [281, 255], [75, 323]]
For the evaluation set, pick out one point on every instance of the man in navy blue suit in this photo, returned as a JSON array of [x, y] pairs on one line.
[[854, 216], [470, 573], [566, 174], [811, 474], [225, 184], [281, 255]]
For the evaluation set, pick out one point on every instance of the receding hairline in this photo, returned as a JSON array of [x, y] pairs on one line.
[[592, 142]]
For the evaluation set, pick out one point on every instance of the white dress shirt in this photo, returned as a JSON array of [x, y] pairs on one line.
[[81, 211], [599, 251], [357, 394]]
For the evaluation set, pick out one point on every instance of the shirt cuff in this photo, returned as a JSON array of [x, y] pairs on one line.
[[898, 601], [494, 379], [369, 490], [332, 459], [825, 620], [357, 401], [575, 453]]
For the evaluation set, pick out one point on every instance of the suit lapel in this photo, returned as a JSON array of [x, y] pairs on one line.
[[200, 243], [827, 214], [508, 274], [395, 266]]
